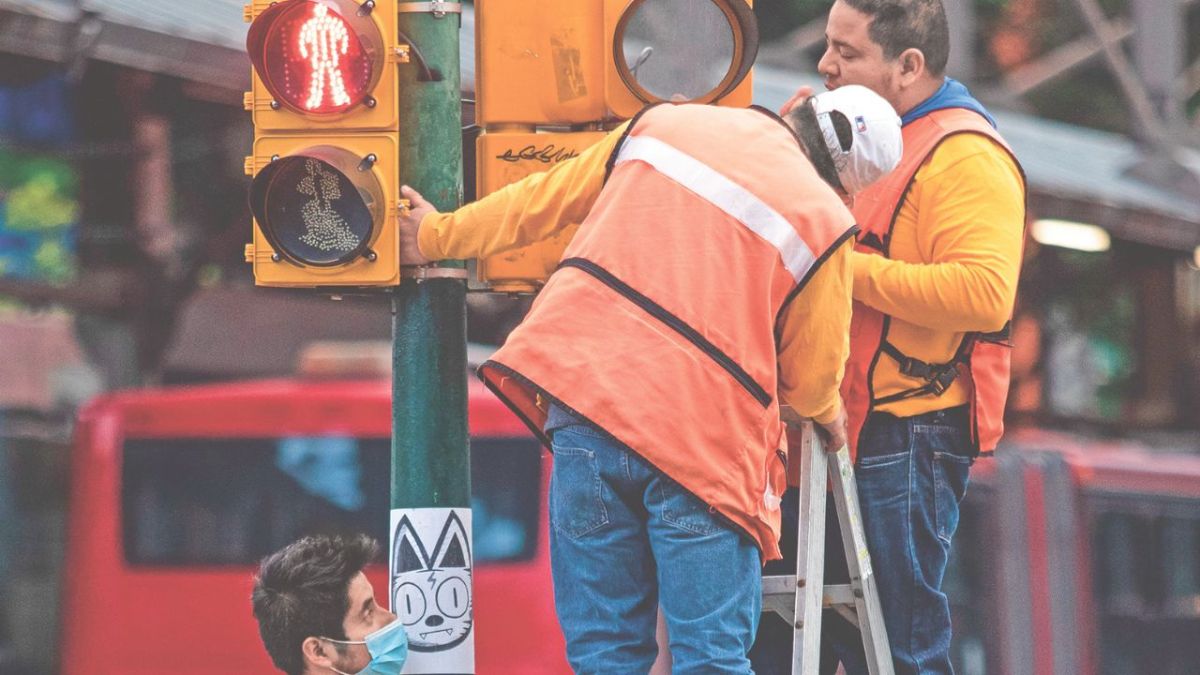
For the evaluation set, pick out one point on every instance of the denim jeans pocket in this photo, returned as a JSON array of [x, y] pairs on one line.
[[684, 510], [950, 476], [885, 441], [879, 461], [576, 496]]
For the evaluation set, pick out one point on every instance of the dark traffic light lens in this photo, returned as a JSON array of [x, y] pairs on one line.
[[319, 57], [685, 50], [319, 208]]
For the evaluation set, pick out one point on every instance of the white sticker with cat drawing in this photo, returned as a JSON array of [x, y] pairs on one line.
[[430, 567]]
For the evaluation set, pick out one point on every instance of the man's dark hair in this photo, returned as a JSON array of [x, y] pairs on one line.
[[302, 591], [803, 119], [909, 24]]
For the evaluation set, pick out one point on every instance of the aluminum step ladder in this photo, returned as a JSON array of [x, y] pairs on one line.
[[857, 601]]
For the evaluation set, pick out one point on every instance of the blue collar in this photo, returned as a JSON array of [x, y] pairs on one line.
[[952, 94]]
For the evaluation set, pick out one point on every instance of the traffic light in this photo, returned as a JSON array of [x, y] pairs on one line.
[[326, 135], [550, 77], [506, 157]]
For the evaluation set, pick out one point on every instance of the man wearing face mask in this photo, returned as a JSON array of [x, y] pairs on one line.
[[317, 613]]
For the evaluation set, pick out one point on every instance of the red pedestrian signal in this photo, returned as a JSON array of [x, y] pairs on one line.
[[317, 58], [326, 142]]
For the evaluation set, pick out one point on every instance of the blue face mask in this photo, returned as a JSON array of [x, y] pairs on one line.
[[387, 646]]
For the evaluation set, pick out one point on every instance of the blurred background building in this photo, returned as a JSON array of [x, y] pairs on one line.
[[123, 218]]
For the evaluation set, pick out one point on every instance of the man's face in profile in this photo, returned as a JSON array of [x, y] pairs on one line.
[[852, 57], [363, 617]]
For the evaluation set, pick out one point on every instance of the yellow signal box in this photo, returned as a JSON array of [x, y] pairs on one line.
[[539, 63], [506, 157], [325, 161], [587, 61], [321, 211], [549, 74]]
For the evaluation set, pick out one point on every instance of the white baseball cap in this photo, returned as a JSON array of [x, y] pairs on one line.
[[875, 141]]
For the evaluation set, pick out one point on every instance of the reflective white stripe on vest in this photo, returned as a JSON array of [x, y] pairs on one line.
[[724, 194]]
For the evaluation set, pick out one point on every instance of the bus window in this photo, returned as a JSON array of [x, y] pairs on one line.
[[232, 501], [505, 498], [1123, 546], [1147, 585], [1181, 567], [1180, 616], [1119, 550], [1111, 338]]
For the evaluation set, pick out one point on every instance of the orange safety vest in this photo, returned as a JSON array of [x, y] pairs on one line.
[[659, 324], [984, 358]]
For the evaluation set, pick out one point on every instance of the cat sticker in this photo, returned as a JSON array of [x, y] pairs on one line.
[[430, 566]]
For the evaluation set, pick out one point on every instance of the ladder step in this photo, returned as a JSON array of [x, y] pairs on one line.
[[784, 588]]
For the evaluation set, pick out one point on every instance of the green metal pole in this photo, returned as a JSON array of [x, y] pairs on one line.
[[431, 561]]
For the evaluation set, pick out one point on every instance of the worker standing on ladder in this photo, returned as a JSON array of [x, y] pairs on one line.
[[711, 238], [935, 278]]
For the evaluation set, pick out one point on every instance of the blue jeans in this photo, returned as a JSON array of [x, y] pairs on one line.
[[624, 539], [912, 474]]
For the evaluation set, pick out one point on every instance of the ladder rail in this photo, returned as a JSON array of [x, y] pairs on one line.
[[810, 557], [800, 598], [858, 560]]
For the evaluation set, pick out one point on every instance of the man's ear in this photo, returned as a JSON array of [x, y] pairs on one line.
[[912, 66], [317, 652]]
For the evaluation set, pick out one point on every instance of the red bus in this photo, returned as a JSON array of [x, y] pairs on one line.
[[1073, 557], [178, 493], [1078, 557]]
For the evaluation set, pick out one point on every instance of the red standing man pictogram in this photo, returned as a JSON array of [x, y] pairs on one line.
[[324, 39]]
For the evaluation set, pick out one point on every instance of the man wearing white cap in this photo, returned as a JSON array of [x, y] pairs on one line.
[[708, 284], [935, 277]]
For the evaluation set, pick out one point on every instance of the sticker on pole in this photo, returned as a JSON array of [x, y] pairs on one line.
[[429, 566]]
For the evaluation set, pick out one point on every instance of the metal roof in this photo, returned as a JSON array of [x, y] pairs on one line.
[[198, 40], [216, 22], [59, 10]]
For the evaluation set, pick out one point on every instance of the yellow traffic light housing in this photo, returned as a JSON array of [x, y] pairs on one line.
[[589, 61], [319, 211], [506, 157], [325, 161], [550, 75], [539, 63]]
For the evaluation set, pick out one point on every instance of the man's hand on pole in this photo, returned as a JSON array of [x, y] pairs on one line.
[[410, 224]]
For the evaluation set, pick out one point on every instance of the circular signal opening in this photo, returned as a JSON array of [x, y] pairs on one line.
[[317, 57], [320, 207], [685, 50]]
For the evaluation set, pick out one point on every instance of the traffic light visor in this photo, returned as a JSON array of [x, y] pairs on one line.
[[317, 57], [685, 50], [320, 207]]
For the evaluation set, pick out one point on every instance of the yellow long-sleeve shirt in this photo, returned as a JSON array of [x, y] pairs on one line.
[[955, 255], [814, 340]]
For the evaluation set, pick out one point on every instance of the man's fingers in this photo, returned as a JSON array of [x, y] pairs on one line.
[[410, 225], [834, 440], [797, 98], [414, 197], [835, 432]]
